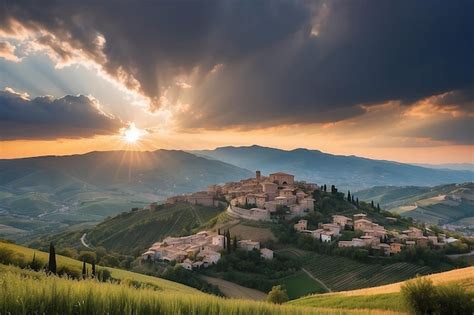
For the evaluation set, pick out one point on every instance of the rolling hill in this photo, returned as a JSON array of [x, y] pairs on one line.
[[55, 192], [132, 232], [30, 291], [348, 172], [385, 297], [445, 204], [25, 253]]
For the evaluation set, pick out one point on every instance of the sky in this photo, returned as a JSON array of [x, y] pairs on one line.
[[388, 80]]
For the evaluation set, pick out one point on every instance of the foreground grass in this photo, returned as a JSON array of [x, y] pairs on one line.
[[26, 254], [26, 292], [389, 302], [385, 297]]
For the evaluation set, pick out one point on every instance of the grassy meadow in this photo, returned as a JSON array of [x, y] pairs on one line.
[[26, 254], [25, 292], [385, 297]]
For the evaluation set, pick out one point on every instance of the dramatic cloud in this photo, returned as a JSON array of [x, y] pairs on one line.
[[49, 118], [7, 51], [219, 64]]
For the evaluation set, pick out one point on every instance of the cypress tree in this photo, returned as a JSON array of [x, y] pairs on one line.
[[93, 269], [353, 201], [235, 242], [349, 196], [357, 201], [378, 207], [52, 259], [225, 239], [84, 269], [372, 204], [229, 248]]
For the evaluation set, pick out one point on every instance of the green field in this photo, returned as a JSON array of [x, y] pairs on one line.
[[386, 297], [29, 292], [390, 302], [26, 254], [300, 284], [341, 273]]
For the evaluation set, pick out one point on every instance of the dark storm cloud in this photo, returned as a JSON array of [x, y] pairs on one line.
[[458, 130], [282, 61], [48, 118]]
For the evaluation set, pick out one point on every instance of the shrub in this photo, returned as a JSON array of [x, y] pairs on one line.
[[87, 256], [453, 299], [277, 295], [420, 296]]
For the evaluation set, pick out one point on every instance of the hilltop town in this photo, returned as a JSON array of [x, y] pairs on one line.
[[270, 198], [258, 199]]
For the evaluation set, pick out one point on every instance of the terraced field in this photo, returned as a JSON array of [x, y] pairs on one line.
[[340, 273], [137, 230]]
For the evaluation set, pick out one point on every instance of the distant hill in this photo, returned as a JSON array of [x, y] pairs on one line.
[[453, 203], [348, 172], [37, 194], [451, 166]]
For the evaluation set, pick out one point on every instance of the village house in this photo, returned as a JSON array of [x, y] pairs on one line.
[[282, 179], [248, 245], [395, 248], [342, 221], [301, 225], [266, 253]]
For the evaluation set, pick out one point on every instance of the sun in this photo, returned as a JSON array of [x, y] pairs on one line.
[[132, 134]]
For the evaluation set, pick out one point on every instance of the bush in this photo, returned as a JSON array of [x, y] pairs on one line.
[[277, 295], [422, 297], [453, 299], [87, 256]]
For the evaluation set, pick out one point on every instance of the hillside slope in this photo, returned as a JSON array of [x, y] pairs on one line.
[[27, 254], [55, 192], [132, 232], [385, 297], [453, 204], [348, 172]]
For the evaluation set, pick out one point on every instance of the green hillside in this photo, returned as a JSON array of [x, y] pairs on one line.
[[342, 273], [30, 292], [131, 233], [452, 203], [385, 297], [53, 193], [129, 293], [23, 255]]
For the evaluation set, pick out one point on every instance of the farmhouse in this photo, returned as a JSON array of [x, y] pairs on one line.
[[248, 245], [266, 253]]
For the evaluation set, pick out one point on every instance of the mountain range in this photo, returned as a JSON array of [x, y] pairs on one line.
[[54, 192], [348, 172]]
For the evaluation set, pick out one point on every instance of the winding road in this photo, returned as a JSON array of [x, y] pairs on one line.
[[83, 241]]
